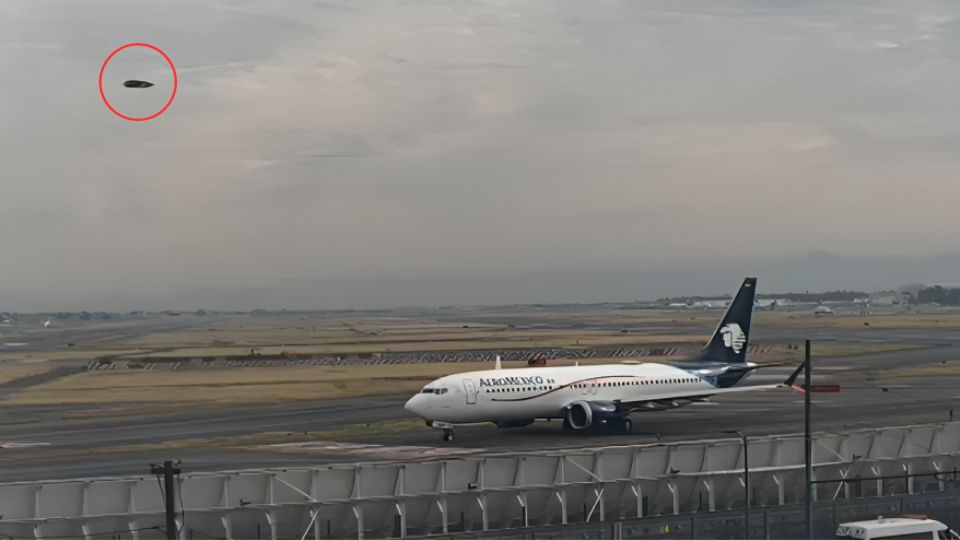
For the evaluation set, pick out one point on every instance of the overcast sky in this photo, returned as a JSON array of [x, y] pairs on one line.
[[355, 153]]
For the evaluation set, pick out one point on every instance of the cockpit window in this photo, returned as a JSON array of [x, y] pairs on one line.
[[427, 391], [440, 390]]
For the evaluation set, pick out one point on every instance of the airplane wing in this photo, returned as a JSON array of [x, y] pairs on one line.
[[678, 399], [683, 398]]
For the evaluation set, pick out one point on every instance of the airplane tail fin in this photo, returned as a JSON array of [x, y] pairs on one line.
[[728, 345]]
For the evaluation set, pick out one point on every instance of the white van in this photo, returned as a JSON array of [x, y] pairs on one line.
[[906, 527]]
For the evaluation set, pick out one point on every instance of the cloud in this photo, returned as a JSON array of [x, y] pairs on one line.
[[344, 140]]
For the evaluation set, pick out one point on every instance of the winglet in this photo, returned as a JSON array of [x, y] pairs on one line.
[[793, 377], [498, 364]]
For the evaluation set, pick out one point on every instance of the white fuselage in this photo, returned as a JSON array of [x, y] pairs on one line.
[[522, 394]]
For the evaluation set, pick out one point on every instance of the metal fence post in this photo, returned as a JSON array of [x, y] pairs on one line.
[[808, 442]]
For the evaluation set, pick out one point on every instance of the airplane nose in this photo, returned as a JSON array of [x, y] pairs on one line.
[[414, 405]]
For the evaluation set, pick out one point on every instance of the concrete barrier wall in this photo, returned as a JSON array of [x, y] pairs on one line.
[[397, 499]]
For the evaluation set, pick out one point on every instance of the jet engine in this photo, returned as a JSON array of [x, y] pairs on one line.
[[583, 415]]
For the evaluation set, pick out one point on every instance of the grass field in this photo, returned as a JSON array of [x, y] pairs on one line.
[[230, 386], [245, 385], [492, 343], [11, 372], [278, 384], [899, 321], [948, 370], [274, 334]]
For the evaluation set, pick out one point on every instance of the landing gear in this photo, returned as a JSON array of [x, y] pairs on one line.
[[447, 430]]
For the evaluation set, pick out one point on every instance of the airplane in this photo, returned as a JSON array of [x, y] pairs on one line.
[[822, 310], [132, 83], [588, 398]]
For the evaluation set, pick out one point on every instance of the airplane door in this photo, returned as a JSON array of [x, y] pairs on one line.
[[471, 390], [593, 387]]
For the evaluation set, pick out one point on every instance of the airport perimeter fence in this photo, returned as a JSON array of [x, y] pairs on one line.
[[692, 488], [299, 359], [772, 523]]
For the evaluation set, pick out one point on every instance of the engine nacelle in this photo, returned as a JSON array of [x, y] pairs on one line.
[[581, 415]]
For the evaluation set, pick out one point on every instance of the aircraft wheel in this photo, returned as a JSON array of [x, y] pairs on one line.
[[448, 435]]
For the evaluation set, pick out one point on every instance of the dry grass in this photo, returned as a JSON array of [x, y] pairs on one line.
[[11, 372], [836, 350], [278, 384], [229, 386], [951, 369], [899, 321], [503, 342], [844, 350], [246, 385], [78, 354], [317, 335]]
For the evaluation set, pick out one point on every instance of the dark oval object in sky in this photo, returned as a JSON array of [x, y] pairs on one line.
[[137, 84]]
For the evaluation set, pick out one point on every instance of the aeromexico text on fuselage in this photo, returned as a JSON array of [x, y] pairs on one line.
[[515, 381]]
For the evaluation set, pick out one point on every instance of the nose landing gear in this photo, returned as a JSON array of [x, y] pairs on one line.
[[447, 430]]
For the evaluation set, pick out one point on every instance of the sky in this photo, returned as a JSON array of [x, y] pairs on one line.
[[361, 153]]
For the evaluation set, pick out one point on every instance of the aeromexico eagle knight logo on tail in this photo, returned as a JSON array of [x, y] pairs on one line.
[[733, 337]]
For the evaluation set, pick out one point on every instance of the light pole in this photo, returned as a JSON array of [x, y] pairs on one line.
[[807, 389], [746, 481], [807, 438]]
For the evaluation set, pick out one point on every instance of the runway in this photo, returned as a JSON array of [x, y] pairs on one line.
[[99, 442]]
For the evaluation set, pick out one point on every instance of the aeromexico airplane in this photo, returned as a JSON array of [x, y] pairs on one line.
[[594, 396]]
